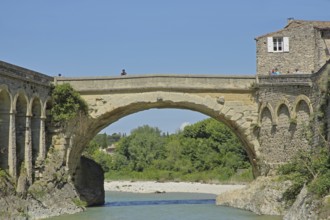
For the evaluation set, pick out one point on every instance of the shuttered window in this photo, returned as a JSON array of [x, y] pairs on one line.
[[278, 44]]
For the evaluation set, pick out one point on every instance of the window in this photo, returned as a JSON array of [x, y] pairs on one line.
[[278, 44]]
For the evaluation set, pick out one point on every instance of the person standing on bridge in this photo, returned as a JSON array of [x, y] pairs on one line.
[[123, 72]]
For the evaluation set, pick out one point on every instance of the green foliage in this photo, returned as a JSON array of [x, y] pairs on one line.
[[311, 169], [104, 140], [67, 103], [3, 173], [93, 151], [205, 151], [79, 203], [142, 147]]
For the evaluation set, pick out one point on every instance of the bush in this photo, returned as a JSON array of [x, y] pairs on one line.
[[67, 103], [311, 169], [321, 185]]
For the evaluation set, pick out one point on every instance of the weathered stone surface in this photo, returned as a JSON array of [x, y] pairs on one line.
[[39, 202], [305, 208], [89, 181], [112, 98], [307, 52], [263, 196]]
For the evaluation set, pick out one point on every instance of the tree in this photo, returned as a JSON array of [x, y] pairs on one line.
[[67, 104], [142, 147]]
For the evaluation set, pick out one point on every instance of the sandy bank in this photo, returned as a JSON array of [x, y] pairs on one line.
[[151, 187]]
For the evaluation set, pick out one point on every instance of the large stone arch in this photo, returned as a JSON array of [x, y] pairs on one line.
[[106, 109], [5, 111]]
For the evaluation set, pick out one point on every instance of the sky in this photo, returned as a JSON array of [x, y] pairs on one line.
[[77, 38]]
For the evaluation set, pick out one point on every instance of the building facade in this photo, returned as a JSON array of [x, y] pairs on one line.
[[300, 47]]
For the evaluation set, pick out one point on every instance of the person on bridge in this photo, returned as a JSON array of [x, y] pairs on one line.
[[123, 72]]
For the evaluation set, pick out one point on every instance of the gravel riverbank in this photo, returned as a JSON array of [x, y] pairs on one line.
[[152, 187]]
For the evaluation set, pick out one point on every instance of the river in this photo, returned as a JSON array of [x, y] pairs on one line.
[[163, 206]]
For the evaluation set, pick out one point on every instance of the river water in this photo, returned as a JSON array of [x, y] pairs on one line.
[[163, 206]]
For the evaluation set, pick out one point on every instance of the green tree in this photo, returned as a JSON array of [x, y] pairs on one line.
[[142, 147], [67, 104], [202, 151], [113, 138]]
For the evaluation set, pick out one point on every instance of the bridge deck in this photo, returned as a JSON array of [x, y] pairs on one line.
[[160, 82]]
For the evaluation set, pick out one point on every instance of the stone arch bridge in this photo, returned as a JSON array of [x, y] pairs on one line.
[[269, 114]]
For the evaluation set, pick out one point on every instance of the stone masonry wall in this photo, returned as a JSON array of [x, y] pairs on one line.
[[286, 117], [307, 51], [23, 98]]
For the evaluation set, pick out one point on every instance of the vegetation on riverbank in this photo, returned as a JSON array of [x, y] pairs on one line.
[[311, 169], [203, 152]]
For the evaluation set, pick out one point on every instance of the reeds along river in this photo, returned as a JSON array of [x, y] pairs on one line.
[[162, 206]]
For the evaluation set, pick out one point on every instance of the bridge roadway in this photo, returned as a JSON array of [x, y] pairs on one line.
[[168, 82]]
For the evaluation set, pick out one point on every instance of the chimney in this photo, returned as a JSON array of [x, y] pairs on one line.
[[290, 20]]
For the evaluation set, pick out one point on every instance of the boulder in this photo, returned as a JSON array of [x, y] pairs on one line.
[[89, 182]]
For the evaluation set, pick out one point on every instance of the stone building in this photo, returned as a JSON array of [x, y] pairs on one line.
[[300, 47]]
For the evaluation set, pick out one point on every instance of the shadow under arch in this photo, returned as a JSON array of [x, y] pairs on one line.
[[5, 111], [20, 108], [230, 117], [284, 103], [299, 99], [267, 107]]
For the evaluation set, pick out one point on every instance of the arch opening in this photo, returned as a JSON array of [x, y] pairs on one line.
[[204, 147], [48, 125], [21, 128], [5, 103], [211, 109], [35, 129]]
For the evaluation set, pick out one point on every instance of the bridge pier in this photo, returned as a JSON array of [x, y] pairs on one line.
[[12, 146], [42, 140], [28, 149]]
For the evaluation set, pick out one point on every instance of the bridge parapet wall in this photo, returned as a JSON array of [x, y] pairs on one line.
[[159, 82], [286, 80]]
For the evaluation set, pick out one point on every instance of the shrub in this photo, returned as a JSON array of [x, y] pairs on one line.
[[67, 103]]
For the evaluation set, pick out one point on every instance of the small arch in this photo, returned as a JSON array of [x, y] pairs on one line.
[[20, 107], [35, 113], [22, 95], [46, 106], [283, 102], [46, 116], [5, 110], [264, 107], [282, 109], [302, 98]]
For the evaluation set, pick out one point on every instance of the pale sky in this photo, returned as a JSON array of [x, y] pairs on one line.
[[102, 37]]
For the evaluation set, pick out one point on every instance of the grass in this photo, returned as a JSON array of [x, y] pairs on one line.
[[79, 203]]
